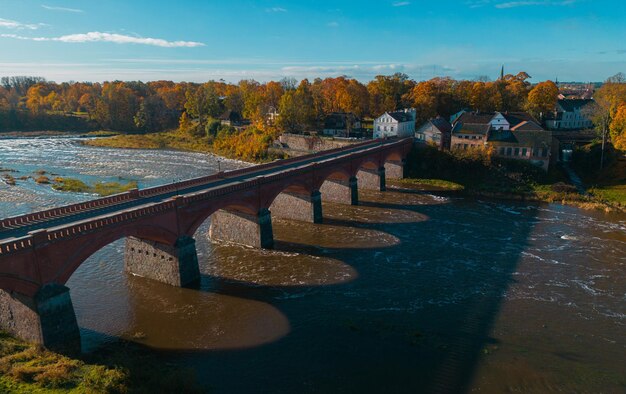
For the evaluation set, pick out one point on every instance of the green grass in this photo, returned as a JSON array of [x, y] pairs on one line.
[[120, 368], [26, 368], [102, 133], [100, 188], [614, 194], [168, 139], [108, 188], [438, 183]]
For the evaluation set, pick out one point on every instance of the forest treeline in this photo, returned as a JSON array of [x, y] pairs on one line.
[[32, 103], [26, 102]]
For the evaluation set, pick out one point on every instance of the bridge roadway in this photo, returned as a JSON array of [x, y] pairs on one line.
[[12, 231]]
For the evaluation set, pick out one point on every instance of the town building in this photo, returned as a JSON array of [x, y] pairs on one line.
[[341, 124], [231, 118], [569, 115], [395, 124], [437, 131], [514, 135]]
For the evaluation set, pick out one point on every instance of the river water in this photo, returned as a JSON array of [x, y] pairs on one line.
[[408, 292]]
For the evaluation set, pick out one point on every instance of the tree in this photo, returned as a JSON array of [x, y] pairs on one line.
[[386, 92], [607, 101], [202, 103], [618, 128], [296, 108], [152, 114], [542, 99]]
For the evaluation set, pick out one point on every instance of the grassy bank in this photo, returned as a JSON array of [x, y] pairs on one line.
[[27, 368], [249, 145], [99, 188], [477, 173]]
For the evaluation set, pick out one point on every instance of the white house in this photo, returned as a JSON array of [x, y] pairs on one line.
[[395, 124], [569, 115]]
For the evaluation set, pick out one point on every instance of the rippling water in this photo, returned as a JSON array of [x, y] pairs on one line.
[[409, 292]]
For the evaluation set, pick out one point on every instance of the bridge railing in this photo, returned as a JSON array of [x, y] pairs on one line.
[[21, 220], [16, 245]]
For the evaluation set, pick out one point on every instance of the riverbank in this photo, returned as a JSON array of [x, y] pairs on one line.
[[559, 193], [123, 368], [479, 174], [251, 145], [52, 133]]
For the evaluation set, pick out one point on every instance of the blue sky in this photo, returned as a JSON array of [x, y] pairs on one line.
[[199, 40]]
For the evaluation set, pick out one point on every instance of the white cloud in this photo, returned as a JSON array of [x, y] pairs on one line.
[[401, 3], [75, 10], [276, 9], [333, 24], [9, 24], [109, 37]]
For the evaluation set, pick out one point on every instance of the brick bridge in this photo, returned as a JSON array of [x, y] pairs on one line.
[[40, 251]]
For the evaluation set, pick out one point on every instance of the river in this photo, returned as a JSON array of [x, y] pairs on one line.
[[408, 292]]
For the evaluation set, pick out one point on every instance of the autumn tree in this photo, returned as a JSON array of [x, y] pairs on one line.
[[618, 128], [607, 101], [296, 108], [386, 92], [202, 103], [542, 99]]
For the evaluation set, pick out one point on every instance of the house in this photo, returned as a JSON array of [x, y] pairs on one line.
[[514, 135], [395, 124], [569, 115], [341, 124], [231, 118], [271, 116], [437, 131]]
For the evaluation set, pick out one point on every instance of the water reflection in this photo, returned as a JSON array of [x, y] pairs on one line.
[[331, 236], [187, 319]]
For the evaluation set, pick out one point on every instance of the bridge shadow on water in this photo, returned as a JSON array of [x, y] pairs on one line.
[[401, 299], [413, 315]]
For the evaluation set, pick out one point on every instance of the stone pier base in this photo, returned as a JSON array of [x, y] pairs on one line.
[[341, 190], [175, 265], [243, 228], [47, 319], [298, 206], [372, 179], [395, 169]]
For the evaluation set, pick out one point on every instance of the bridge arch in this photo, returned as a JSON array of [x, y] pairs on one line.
[[81, 250]]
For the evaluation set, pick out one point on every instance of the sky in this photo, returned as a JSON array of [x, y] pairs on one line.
[[201, 40]]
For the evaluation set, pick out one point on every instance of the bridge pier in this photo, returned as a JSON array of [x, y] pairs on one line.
[[175, 265], [395, 169], [372, 179], [242, 228], [298, 206], [344, 191], [47, 319]]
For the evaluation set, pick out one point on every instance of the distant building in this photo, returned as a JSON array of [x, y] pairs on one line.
[[569, 115], [515, 135], [231, 118], [395, 124], [341, 124], [272, 116], [437, 131]]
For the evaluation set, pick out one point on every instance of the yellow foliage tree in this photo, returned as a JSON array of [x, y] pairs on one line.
[[618, 128]]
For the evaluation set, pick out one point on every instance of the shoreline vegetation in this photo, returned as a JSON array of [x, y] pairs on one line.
[[43, 177], [121, 368], [479, 174], [251, 145]]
